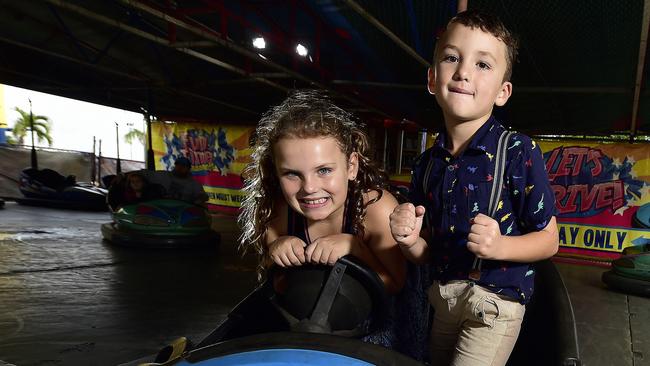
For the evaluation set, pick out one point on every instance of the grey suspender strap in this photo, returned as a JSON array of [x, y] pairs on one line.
[[425, 187], [499, 169], [497, 181]]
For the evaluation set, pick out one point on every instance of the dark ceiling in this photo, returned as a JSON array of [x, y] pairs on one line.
[[577, 71]]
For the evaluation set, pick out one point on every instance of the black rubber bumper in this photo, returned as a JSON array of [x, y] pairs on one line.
[[626, 284], [140, 240]]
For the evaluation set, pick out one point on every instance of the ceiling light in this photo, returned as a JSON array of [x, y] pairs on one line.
[[259, 43], [301, 50]]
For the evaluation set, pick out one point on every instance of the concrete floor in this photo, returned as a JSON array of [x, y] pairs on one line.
[[613, 328], [67, 298]]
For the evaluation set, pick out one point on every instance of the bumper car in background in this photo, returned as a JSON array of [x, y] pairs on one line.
[[48, 188], [161, 223], [630, 274], [641, 218]]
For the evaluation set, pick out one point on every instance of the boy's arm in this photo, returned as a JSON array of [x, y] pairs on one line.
[[418, 253], [486, 241], [200, 197], [533, 206], [406, 228]]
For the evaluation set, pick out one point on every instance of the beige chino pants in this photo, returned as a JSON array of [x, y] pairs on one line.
[[472, 326]]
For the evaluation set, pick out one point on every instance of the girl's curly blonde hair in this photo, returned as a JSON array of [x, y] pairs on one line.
[[304, 114]]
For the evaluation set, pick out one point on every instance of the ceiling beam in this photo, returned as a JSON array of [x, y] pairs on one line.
[[193, 44], [643, 46], [373, 84], [148, 82], [71, 59], [210, 34], [372, 20], [153, 38], [520, 89]]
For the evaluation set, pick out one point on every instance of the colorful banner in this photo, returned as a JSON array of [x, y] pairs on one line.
[[3, 113], [599, 188], [218, 153]]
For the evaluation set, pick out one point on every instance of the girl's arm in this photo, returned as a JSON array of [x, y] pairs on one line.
[[379, 250], [283, 250]]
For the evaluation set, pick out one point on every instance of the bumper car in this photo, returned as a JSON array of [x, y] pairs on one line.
[[630, 274], [161, 223], [636, 249], [308, 315], [48, 188], [316, 315], [641, 218]]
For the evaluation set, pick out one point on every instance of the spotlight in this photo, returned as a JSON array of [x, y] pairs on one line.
[[301, 50], [259, 43]]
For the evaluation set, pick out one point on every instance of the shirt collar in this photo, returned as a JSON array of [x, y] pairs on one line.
[[489, 131]]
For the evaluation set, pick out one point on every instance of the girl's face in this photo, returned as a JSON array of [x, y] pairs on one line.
[[136, 183], [314, 175]]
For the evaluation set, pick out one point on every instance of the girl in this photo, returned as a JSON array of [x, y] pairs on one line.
[[133, 189], [313, 195]]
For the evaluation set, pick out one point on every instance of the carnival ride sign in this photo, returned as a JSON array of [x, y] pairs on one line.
[[599, 188], [218, 154]]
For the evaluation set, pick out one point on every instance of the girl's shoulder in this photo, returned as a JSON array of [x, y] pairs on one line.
[[379, 202]]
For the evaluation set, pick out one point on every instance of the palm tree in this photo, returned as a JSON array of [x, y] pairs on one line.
[[42, 126], [134, 134]]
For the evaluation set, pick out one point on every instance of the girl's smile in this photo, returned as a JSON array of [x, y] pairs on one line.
[[314, 175]]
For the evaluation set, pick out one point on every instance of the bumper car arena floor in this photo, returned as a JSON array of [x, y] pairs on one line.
[[67, 298]]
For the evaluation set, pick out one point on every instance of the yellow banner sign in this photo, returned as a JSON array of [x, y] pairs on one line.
[[601, 238], [224, 196], [602, 194]]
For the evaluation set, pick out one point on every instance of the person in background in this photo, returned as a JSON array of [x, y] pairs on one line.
[[133, 189], [178, 183]]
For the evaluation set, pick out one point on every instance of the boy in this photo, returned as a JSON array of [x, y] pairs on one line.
[[481, 264]]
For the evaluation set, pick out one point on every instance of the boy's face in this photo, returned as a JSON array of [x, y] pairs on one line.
[[314, 175], [467, 75]]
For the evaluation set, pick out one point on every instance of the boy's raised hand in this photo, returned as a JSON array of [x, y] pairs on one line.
[[287, 251], [406, 223], [484, 238]]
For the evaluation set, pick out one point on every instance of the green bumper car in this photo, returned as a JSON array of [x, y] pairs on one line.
[[637, 249], [630, 274], [161, 223]]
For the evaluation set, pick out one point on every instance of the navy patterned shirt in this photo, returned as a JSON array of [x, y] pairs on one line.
[[458, 188]]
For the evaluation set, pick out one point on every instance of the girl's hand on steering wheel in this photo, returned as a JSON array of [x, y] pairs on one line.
[[287, 251], [328, 249]]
